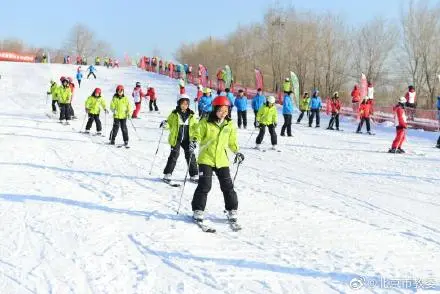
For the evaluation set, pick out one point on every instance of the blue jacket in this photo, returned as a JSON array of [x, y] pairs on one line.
[[205, 103], [79, 76], [91, 68], [258, 101], [287, 105], [438, 104], [315, 102], [231, 99], [241, 103]]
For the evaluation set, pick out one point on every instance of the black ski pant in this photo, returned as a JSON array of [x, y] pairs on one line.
[[273, 135], [312, 116], [71, 112], [333, 120], [242, 118], [54, 105], [361, 123], [438, 141], [153, 103], [94, 118], [205, 183], [64, 111], [255, 117], [91, 73], [301, 115], [174, 155], [79, 83], [287, 125], [115, 129]]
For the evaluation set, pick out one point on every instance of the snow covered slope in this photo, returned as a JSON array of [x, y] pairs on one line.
[[330, 210]]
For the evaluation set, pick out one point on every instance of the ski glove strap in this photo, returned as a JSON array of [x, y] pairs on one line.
[[239, 157], [162, 124]]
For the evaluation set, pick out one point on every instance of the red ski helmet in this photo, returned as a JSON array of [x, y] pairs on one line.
[[119, 87], [97, 92], [221, 101], [62, 79]]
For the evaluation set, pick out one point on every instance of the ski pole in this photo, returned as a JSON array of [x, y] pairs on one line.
[[252, 133], [184, 182], [135, 130], [84, 120], [157, 150], [236, 172]]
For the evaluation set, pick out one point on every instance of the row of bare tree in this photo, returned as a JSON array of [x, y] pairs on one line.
[[81, 41], [329, 55]]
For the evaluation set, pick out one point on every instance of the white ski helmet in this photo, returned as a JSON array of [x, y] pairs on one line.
[[181, 97], [271, 99]]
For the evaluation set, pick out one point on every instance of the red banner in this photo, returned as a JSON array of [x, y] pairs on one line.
[[259, 79], [10, 56]]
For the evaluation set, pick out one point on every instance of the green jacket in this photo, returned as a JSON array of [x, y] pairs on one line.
[[64, 94], [54, 91], [173, 124], [121, 107], [93, 104], [214, 142], [287, 87], [304, 104], [267, 115]]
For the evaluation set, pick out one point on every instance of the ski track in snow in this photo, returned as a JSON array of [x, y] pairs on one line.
[[80, 216]]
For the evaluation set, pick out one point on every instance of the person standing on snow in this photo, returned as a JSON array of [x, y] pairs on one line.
[[315, 108], [64, 98], [92, 71], [411, 97], [241, 104], [335, 108], [304, 106], [93, 104], [181, 86], [355, 98], [216, 134], [182, 124], [120, 106], [267, 117], [364, 114], [79, 77], [137, 95], [287, 114], [257, 102], [72, 89], [400, 123], [153, 99], [53, 91], [205, 103]]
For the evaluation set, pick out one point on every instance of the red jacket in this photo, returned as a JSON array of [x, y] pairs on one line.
[[335, 105], [399, 116], [365, 110], [152, 94], [355, 95]]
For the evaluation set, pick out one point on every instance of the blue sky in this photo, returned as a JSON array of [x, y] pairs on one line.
[[139, 26]]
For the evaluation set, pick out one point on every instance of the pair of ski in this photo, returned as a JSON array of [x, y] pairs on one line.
[[361, 133], [268, 149], [174, 184], [92, 134], [235, 226]]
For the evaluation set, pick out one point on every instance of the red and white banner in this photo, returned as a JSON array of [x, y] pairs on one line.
[[10, 56]]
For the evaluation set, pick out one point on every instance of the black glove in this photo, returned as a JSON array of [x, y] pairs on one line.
[[48, 93], [192, 146], [239, 157], [162, 124], [257, 124]]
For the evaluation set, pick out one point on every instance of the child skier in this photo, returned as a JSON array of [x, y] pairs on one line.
[[400, 123], [257, 103], [93, 107], [315, 107], [241, 104], [54, 93], [335, 106], [72, 89], [216, 134], [79, 77], [364, 114], [153, 99], [287, 114], [64, 98], [183, 132], [267, 117], [137, 95], [92, 71], [304, 106], [120, 106]]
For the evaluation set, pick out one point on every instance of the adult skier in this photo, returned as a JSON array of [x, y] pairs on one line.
[[257, 102], [335, 106], [411, 97], [241, 104], [182, 124], [400, 123], [364, 114], [120, 106], [267, 117], [217, 133], [93, 105], [287, 114], [205, 103], [153, 99], [79, 77], [304, 106], [315, 108]]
